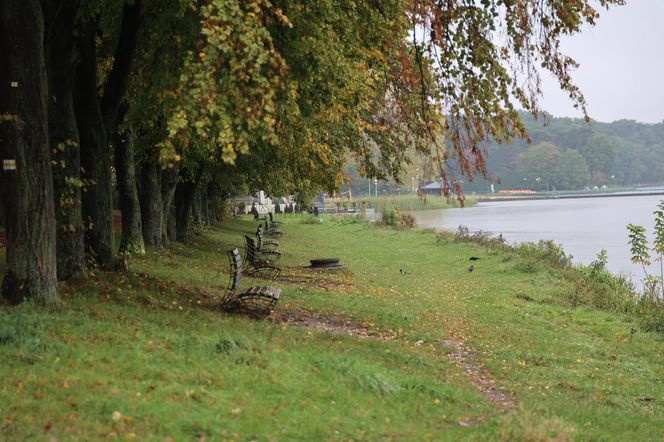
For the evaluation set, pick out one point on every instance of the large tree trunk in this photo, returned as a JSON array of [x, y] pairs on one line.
[[61, 60], [95, 155], [132, 230], [184, 198], [96, 118], [169, 180], [27, 192], [151, 205]]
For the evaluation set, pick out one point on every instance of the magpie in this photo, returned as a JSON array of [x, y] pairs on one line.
[[471, 268], [402, 272], [473, 258]]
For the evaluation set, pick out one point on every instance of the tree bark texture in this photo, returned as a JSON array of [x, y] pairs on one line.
[[151, 205], [169, 180], [197, 208], [171, 223], [96, 118], [61, 60], [132, 229], [205, 205], [118, 78], [184, 198], [213, 204], [97, 195], [26, 192]]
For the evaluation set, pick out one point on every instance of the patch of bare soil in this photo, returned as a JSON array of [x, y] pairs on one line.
[[464, 358], [327, 323]]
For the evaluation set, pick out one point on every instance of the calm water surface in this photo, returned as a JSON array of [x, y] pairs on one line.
[[582, 226]]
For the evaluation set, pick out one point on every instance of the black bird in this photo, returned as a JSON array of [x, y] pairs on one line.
[[471, 268], [473, 258], [402, 272]]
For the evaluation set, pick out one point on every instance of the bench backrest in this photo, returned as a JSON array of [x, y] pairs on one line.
[[251, 249], [259, 238], [236, 268]]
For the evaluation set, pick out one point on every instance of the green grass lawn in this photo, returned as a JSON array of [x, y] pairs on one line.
[[146, 355]]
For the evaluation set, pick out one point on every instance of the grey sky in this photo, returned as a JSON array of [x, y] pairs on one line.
[[622, 66]]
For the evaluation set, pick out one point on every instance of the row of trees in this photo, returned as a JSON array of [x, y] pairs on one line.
[[175, 103], [620, 153]]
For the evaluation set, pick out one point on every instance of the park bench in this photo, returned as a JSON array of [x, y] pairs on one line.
[[256, 263], [266, 242], [271, 230], [263, 249], [255, 301], [272, 221]]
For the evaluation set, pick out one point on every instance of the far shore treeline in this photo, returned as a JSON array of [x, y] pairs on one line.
[[164, 109], [562, 154]]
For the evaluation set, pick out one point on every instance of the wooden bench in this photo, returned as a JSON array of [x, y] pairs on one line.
[[254, 301], [272, 221], [270, 230], [266, 242], [256, 263], [263, 248]]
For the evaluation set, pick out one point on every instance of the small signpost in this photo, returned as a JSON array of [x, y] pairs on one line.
[[8, 164]]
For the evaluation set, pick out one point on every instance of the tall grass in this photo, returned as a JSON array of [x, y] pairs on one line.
[[591, 285], [414, 202]]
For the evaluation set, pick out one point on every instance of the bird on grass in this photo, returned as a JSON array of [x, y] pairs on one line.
[[473, 258], [402, 272], [471, 268]]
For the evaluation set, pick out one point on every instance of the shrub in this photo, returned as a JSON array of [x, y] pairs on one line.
[[391, 216], [481, 237], [311, 219], [407, 221], [651, 311], [545, 251]]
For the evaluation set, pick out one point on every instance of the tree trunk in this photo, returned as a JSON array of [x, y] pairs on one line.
[[171, 224], [61, 60], [95, 155], [214, 202], [196, 209], [132, 230], [151, 205], [169, 180], [205, 205], [27, 191], [184, 198], [96, 119]]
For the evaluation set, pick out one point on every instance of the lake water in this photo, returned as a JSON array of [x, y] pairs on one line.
[[582, 226]]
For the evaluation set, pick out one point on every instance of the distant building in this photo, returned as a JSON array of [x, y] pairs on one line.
[[433, 188]]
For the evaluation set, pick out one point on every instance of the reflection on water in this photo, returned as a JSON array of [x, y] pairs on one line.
[[582, 226]]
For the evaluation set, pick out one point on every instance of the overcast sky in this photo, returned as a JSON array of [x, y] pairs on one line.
[[622, 66]]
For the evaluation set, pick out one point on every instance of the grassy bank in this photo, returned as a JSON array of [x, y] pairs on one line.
[[146, 355], [414, 202]]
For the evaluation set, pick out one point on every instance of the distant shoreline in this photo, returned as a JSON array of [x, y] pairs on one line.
[[550, 195]]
